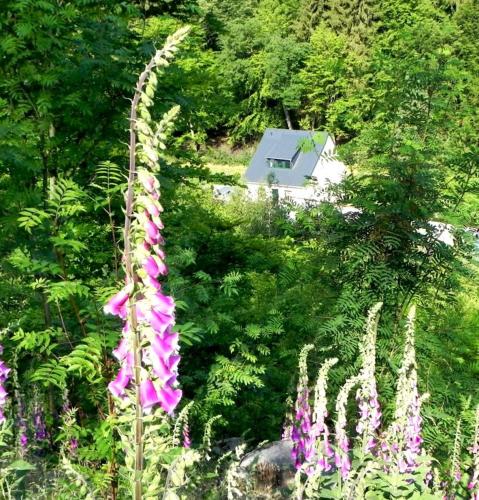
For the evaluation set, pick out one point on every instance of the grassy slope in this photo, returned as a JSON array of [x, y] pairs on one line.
[[223, 159]]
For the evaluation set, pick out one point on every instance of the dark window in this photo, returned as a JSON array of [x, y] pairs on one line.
[[279, 163]]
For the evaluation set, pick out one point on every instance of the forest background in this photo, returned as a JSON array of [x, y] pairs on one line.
[[396, 83]]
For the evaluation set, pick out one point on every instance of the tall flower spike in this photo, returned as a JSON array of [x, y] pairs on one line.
[[320, 429], [456, 473], [148, 376], [404, 435], [288, 421], [303, 439], [39, 426], [22, 425], [149, 323], [473, 484], [367, 395], [4, 371], [342, 460]]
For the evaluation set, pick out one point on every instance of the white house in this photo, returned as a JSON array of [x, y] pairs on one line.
[[294, 164]]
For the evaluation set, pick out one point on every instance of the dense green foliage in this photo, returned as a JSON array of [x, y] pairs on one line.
[[396, 82]]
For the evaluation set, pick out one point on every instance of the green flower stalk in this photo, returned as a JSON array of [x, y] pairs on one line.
[[148, 350], [302, 435], [367, 395], [320, 429], [403, 441], [4, 371], [473, 484], [182, 427], [456, 473], [342, 459]]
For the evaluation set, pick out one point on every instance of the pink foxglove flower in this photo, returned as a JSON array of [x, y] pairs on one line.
[[151, 267], [39, 426], [163, 304], [23, 439], [149, 182], [117, 304], [118, 386], [22, 424], [148, 394], [169, 398]]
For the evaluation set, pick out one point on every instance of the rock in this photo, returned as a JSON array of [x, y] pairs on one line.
[[277, 453], [271, 465]]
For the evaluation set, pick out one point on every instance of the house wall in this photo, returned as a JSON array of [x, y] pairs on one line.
[[329, 147], [329, 170], [299, 195]]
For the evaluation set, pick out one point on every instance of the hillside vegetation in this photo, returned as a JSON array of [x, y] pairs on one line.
[[244, 285]]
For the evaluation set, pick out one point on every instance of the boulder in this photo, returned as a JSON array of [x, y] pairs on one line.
[[270, 465]]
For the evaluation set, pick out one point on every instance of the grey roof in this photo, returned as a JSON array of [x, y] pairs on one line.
[[283, 144]]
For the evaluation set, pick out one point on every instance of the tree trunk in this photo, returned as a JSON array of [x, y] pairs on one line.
[[288, 117]]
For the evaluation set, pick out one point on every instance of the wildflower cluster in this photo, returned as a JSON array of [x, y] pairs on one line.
[[4, 371], [396, 450], [312, 450]]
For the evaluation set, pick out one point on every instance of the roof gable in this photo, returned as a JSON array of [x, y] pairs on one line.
[[302, 146]]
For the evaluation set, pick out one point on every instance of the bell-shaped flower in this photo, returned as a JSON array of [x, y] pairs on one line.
[[4, 371], [163, 304], [152, 233], [148, 181], [174, 361], [151, 283], [148, 394], [159, 251], [169, 398], [122, 350], [151, 266], [160, 322], [3, 395], [165, 345], [163, 270], [23, 440], [152, 206], [117, 304], [161, 368], [117, 387], [157, 221]]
